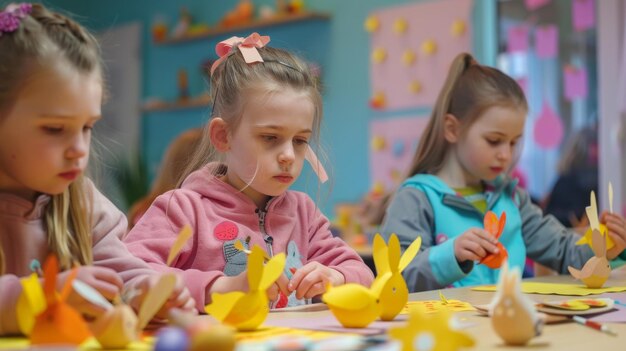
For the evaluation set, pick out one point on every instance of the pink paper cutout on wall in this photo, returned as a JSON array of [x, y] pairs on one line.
[[575, 83], [535, 4], [385, 162], [430, 20], [548, 129], [517, 39], [547, 41], [583, 14]]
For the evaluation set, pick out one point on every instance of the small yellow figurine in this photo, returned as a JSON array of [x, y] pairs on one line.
[[354, 305]]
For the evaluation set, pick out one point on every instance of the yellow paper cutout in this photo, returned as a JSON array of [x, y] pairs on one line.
[[597, 269], [378, 188], [408, 57], [429, 47], [432, 306], [371, 24], [458, 28], [354, 305], [379, 55], [30, 303], [430, 332], [556, 289], [594, 223], [155, 298], [415, 86], [247, 311], [400, 26], [180, 242]]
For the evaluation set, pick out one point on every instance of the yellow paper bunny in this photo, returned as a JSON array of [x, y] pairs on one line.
[[596, 270], [389, 285], [247, 311]]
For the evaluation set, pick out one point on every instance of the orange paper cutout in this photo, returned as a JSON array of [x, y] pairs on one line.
[[495, 228]]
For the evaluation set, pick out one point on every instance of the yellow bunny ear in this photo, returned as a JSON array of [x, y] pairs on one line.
[[598, 242], [255, 267], [272, 271], [592, 211], [410, 253], [394, 252], [381, 255]]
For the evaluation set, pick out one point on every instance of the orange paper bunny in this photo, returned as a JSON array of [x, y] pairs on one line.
[[58, 323], [495, 227]]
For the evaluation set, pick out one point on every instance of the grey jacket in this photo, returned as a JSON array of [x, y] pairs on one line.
[[410, 213]]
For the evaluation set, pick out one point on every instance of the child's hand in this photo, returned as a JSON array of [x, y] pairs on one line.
[[239, 282], [105, 280], [311, 280], [474, 244], [180, 297], [617, 231]]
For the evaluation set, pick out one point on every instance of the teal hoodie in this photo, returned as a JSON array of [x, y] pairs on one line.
[[425, 206]]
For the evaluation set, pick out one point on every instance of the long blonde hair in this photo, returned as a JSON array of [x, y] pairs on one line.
[[43, 36], [234, 77], [468, 91]]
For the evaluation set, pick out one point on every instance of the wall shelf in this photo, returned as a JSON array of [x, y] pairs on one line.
[[197, 102], [255, 24]]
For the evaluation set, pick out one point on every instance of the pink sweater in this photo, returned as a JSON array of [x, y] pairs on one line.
[[23, 238], [219, 215]]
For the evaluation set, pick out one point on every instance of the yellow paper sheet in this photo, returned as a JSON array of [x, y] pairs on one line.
[[431, 306], [557, 289], [265, 332], [22, 343]]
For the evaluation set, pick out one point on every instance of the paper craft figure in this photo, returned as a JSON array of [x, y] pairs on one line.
[[596, 270], [433, 306], [594, 222], [247, 311], [389, 285], [30, 303], [59, 323], [430, 332], [513, 315], [119, 326], [494, 226], [354, 305]]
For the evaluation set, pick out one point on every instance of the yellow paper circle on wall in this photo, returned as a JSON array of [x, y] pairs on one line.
[[379, 55], [408, 57], [415, 86], [371, 24], [458, 28], [429, 47], [378, 143], [400, 26]]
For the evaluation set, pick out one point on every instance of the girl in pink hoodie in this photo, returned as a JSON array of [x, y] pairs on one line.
[[50, 98], [267, 109]]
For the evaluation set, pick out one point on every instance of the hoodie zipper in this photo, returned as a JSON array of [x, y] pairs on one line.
[[266, 237]]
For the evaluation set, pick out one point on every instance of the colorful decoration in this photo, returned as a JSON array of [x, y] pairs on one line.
[[378, 101], [495, 226], [30, 304], [517, 39], [378, 143], [583, 14], [594, 222], [59, 323], [415, 87], [429, 47], [379, 55], [433, 306], [548, 128], [378, 189], [400, 26], [247, 311], [430, 332], [513, 315], [547, 41], [372, 24], [354, 305], [575, 82], [389, 284], [458, 28], [408, 57]]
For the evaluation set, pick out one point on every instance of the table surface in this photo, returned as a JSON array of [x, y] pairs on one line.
[[561, 336]]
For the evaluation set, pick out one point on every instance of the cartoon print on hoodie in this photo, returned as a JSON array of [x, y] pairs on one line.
[[293, 263], [236, 261]]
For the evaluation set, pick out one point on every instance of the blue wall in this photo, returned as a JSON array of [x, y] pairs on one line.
[[340, 45]]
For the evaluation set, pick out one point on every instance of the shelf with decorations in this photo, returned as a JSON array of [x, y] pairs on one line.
[[275, 20]]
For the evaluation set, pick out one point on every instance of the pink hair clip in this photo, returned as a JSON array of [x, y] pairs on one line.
[[11, 16], [248, 47]]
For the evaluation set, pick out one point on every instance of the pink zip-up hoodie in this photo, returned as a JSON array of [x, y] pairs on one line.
[[219, 215], [24, 238]]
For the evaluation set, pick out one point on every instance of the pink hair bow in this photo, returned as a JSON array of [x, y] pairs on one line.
[[248, 47]]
